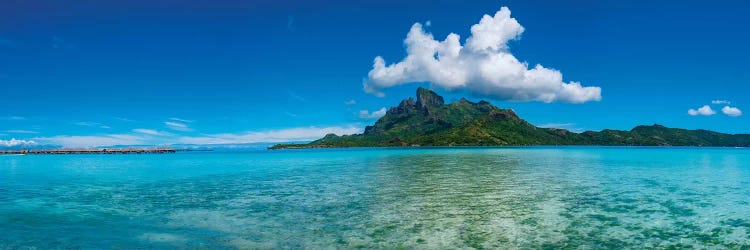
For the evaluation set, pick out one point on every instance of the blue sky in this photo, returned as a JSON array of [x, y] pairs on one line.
[[160, 72]]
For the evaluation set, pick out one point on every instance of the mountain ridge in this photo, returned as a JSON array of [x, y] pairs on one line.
[[428, 121]]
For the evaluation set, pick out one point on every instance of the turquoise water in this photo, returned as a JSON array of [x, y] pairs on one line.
[[569, 197]]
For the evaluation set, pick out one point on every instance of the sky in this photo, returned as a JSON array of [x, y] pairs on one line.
[[101, 73]]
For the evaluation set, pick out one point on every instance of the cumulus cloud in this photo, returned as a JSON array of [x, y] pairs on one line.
[[280, 135], [178, 126], [364, 114], [731, 111], [721, 102], [14, 143], [705, 110], [482, 66]]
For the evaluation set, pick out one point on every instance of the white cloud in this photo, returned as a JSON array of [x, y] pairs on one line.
[[92, 124], [281, 135], [731, 111], [350, 102], [151, 132], [178, 126], [18, 131], [123, 119], [13, 142], [484, 66], [153, 137], [364, 114], [705, 110], [181, 120], [721, 102], [93, 141], [88, 124]]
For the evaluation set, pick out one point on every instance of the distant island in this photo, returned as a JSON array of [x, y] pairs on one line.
[[428, 121]]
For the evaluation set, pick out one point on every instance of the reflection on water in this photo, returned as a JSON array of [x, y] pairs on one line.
[[381, 198]]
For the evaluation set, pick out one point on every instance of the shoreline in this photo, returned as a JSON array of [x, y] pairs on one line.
[[90, 151], [298, 147]]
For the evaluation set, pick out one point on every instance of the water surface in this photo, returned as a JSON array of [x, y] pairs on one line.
[[566, 197]]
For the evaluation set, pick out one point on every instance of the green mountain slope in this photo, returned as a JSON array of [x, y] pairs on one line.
[[428, 121]]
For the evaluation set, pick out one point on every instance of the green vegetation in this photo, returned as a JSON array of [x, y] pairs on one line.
[[428, 121]]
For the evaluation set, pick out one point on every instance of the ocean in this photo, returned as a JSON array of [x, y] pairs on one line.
[[383, 198]]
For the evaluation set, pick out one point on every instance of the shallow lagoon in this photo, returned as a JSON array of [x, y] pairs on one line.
[[569, 197]]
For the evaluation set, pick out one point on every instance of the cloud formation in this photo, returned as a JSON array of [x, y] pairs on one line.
[[178, 126], [350, 102], [20, 131], [151, 132], [181, 120], [731, 111], [482, 66], [705, 110], [364, 114], [14, 143], [280, 135], [92, 124], [68, 141], [144, 136], [721, 102], [124, 119]]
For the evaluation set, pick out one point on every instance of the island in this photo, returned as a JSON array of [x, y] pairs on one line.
[[428, 121]]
